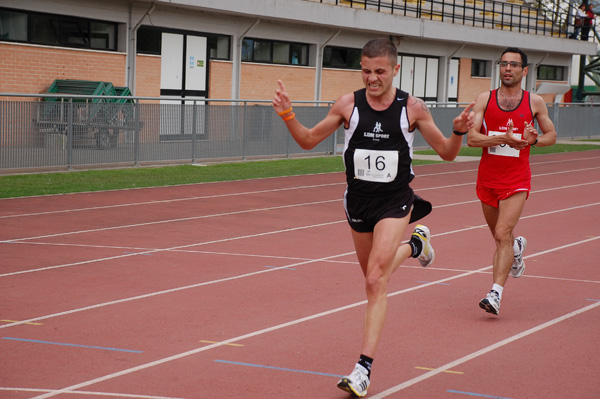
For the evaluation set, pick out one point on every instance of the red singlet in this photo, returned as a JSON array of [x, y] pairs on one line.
[[503, 166]]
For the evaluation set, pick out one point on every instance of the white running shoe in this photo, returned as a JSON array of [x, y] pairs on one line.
[[491, 303], [357, 382], [518, 266], [427, 253]]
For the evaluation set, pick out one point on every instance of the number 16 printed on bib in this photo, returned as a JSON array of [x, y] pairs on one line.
[[375, 166]]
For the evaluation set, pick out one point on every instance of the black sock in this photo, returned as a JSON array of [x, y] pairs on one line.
[[416, 245], [366, 362]]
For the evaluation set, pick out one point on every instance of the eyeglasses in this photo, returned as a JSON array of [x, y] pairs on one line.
[[513, 64]]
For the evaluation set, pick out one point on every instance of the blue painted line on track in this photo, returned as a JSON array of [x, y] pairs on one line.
[[138, 253], [278, 368], [477, 394], [593, 300], [66, 344]]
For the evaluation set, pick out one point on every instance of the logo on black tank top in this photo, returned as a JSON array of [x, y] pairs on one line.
[[377, 133]]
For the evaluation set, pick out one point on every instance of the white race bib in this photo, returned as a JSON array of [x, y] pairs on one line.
[[503, 149], [375, 166]]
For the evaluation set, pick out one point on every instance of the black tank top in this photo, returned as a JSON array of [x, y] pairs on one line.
[[371, 139]]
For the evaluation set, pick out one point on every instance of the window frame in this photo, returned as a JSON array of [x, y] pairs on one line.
[[428, 90], [58, 23], [211, 39], [346, 53], [545, 69], [485, 65], [249, 51]]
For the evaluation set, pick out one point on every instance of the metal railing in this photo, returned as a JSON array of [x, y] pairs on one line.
[[73, 132], [40, 135], [533, 18]]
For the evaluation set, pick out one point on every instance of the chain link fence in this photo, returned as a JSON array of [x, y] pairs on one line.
[[77, 132]]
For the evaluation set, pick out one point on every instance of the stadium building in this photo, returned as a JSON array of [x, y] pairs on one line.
[[232, 49]]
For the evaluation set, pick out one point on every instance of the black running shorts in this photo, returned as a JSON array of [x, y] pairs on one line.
[[363, 213]]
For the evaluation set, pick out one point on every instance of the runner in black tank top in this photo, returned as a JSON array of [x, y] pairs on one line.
[[377, 154], [379, 130]]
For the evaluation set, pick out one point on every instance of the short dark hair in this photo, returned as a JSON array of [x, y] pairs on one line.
[[380, 48], [518, 51]]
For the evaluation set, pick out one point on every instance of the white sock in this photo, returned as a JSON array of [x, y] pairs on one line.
[[498, 288]]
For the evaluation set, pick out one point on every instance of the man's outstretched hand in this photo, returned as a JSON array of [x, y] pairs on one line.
[[281, 100]]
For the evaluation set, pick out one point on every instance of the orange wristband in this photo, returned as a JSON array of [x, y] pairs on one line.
[[290, 117], [284, 112]]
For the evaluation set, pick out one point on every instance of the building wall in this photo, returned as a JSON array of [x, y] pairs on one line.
[[147, 74], [469, 87], [258, 81], [336, 82], [32, 69], [311, 23], [219, 79]]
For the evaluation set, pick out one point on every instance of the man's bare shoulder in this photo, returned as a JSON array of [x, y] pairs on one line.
[[483, 97], [536, 99], [345, 99], [538, 105], [344, 105], [481, 101], [417, 107]]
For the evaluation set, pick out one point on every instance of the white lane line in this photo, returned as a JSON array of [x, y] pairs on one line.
[[172, 248], [248, 236], [156, 293], [154, 202], [261, 210], [482, 352], [322, 314], [271, 208], [89, 393]]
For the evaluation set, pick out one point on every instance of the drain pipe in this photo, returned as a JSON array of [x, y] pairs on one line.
[[319, 65], [132, 48], [237, 62], [447, 74], [531, 79]]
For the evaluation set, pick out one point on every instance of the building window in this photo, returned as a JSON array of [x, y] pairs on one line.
[[149, 42], [481, 68], [418, 75], [103, 35], [219, 47], [551, 72], [340, 57], [57, 30], [274, 52], [13, 26]]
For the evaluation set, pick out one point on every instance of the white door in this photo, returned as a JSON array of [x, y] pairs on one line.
[[184, 73]]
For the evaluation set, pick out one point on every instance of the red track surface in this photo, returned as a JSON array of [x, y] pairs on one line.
[[251, 289]]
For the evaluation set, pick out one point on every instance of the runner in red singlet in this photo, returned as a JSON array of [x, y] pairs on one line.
[[504, 128]]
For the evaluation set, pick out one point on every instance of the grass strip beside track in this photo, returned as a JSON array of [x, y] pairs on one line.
[[25, 185]]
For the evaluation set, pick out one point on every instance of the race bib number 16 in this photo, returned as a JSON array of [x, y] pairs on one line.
[[375, 166]]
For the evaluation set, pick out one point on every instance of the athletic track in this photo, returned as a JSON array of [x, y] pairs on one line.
[[251, 289]]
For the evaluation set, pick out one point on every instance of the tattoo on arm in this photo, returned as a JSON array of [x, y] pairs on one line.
[[423, 105]]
